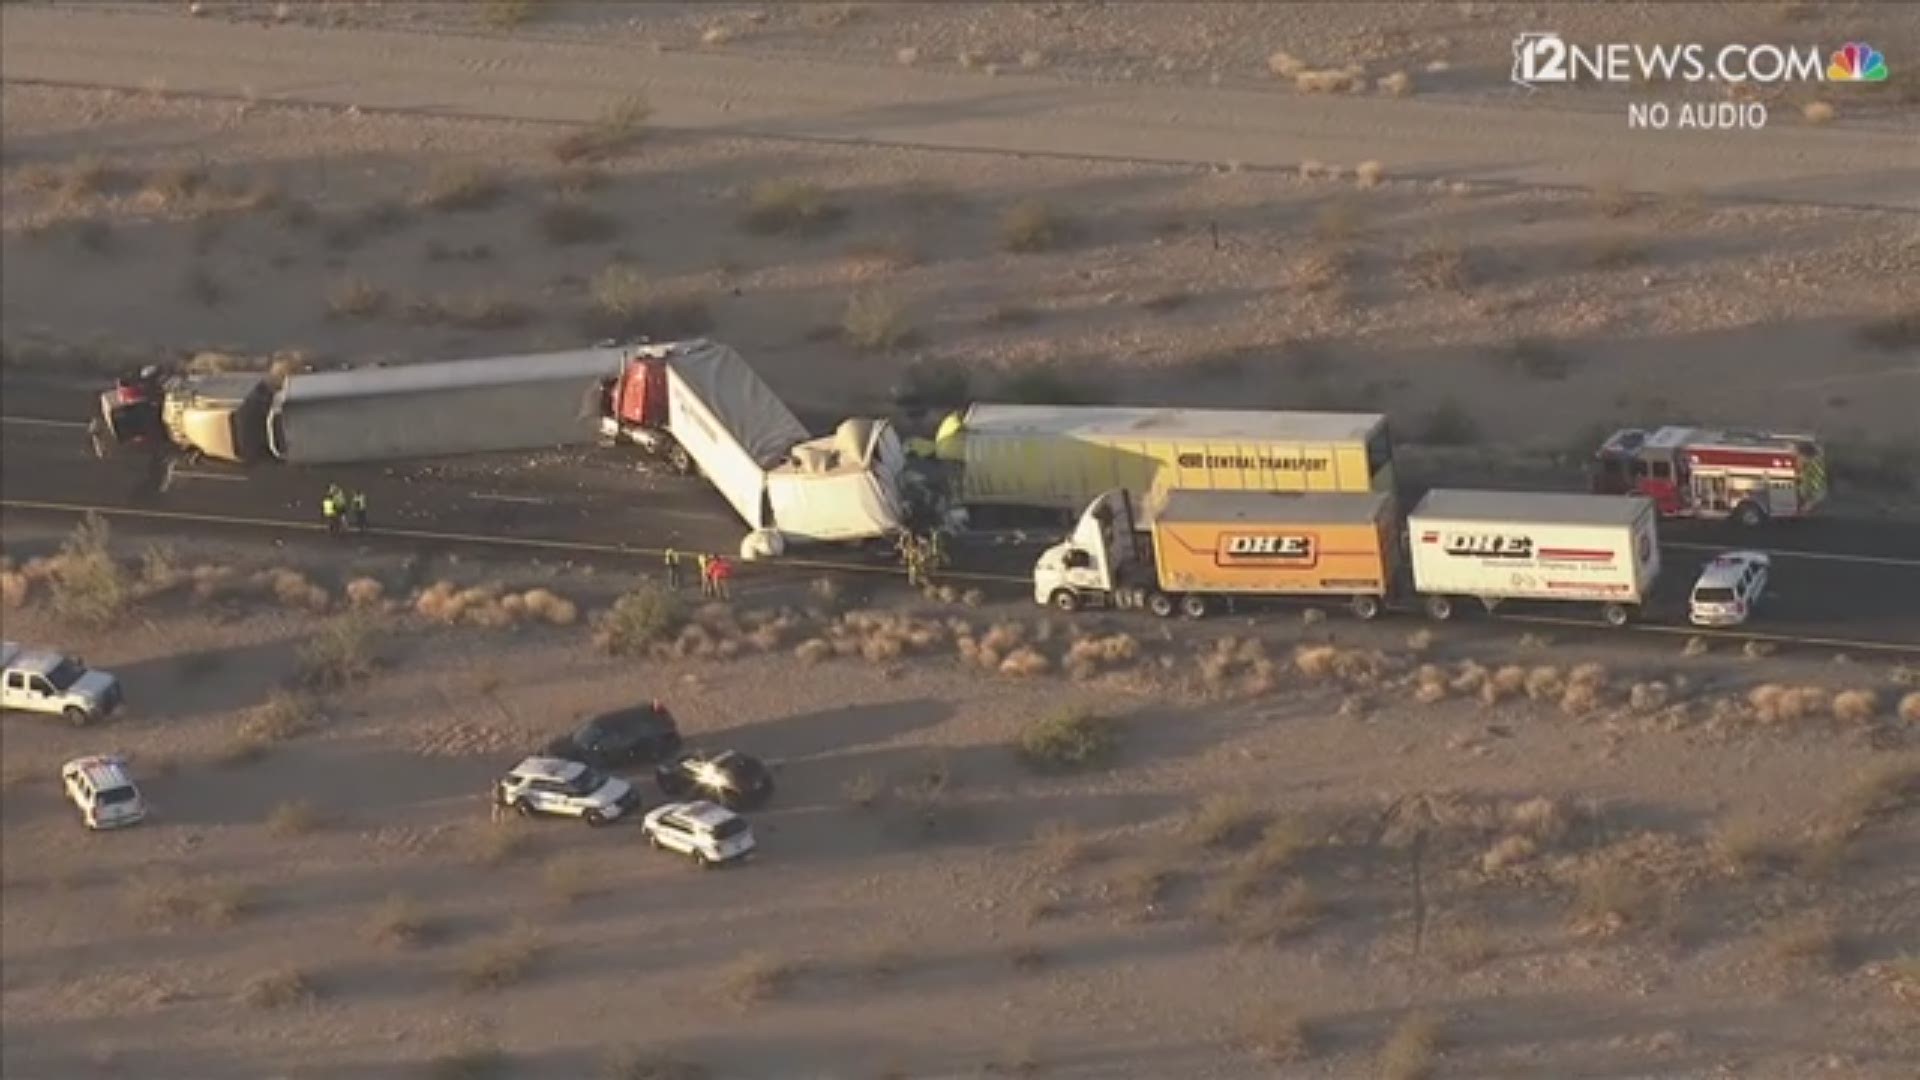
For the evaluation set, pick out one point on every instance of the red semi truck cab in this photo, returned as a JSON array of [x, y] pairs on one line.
[[1748, 476]]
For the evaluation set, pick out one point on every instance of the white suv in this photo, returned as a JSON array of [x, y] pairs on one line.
[[544, 785], [708, 832], [1729, 588], [103, 790]]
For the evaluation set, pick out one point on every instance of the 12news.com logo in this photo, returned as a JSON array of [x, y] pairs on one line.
[[1546, 57]]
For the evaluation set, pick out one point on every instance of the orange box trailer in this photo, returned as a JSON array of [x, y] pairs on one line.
[[1208, 545]]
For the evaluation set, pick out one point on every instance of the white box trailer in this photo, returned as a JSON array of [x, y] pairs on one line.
[[1495, 546], [443, 408]]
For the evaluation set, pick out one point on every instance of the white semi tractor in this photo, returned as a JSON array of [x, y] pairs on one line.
[[1496, 546]]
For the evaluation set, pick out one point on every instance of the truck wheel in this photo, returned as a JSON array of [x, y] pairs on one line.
[[681, 461], [523, 807], [1439, 608], [75, 715], [1193, 606], [1366, 607], [1616, 614], [1749, 515], [593, 818], [1065, 600]]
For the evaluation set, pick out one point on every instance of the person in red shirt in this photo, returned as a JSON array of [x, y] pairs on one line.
[[721, 571]]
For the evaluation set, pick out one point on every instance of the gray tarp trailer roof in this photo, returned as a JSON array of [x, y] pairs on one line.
[[443, 408]]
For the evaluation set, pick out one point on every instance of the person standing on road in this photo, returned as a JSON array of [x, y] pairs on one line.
[[357, 510], [722, 571], [672, 560], [706, 574], [332, 505]]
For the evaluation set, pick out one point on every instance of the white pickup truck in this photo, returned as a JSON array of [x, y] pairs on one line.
[[43, 681]]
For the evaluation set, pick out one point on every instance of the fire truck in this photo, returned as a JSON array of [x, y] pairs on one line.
[[1748, 476]]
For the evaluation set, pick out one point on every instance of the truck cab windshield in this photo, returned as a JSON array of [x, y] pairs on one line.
[[64, 674]]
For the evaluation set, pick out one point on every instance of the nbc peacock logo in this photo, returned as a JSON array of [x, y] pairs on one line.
[[1857, 61]]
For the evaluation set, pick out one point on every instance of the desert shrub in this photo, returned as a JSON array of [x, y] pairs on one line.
[[1033, 226], [281, 717], [1398, 84], [1808, 942], [1884, 789], [566, 222], [340, 653], [625, 305], [632, 1063], [1277, 1034], [758, 977], [1910, 707], [461, 190], [875, 321], [618, 129], [1075, 738], [1463, 946], [1442, 265], [278, 989], [1410, 1052], [789, 206], [1141, 882], [87, 585], [643, 617], [171, 898], [1613, 199], [296, 817], [355, 297], [399, 922], [1610, 896], [501, 962], [1856, 706], [477, 1061], [1222, 820], [1062, 846], [1282, 842], [1046, 386]]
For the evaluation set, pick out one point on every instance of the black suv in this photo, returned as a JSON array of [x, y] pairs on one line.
[[636, 736], [730, 778]]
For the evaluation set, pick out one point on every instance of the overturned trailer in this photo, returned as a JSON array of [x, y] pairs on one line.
[[435, 409], [696, 402]]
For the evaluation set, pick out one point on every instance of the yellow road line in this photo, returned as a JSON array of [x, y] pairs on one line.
[[869, 568]]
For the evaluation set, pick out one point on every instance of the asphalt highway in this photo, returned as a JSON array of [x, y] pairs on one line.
[[1840, 581]]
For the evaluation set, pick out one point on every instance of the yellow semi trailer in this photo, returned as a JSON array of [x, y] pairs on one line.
[[1062, 457], [1209, 546]]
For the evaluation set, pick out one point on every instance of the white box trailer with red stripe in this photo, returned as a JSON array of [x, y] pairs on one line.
[[1495, 546]]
